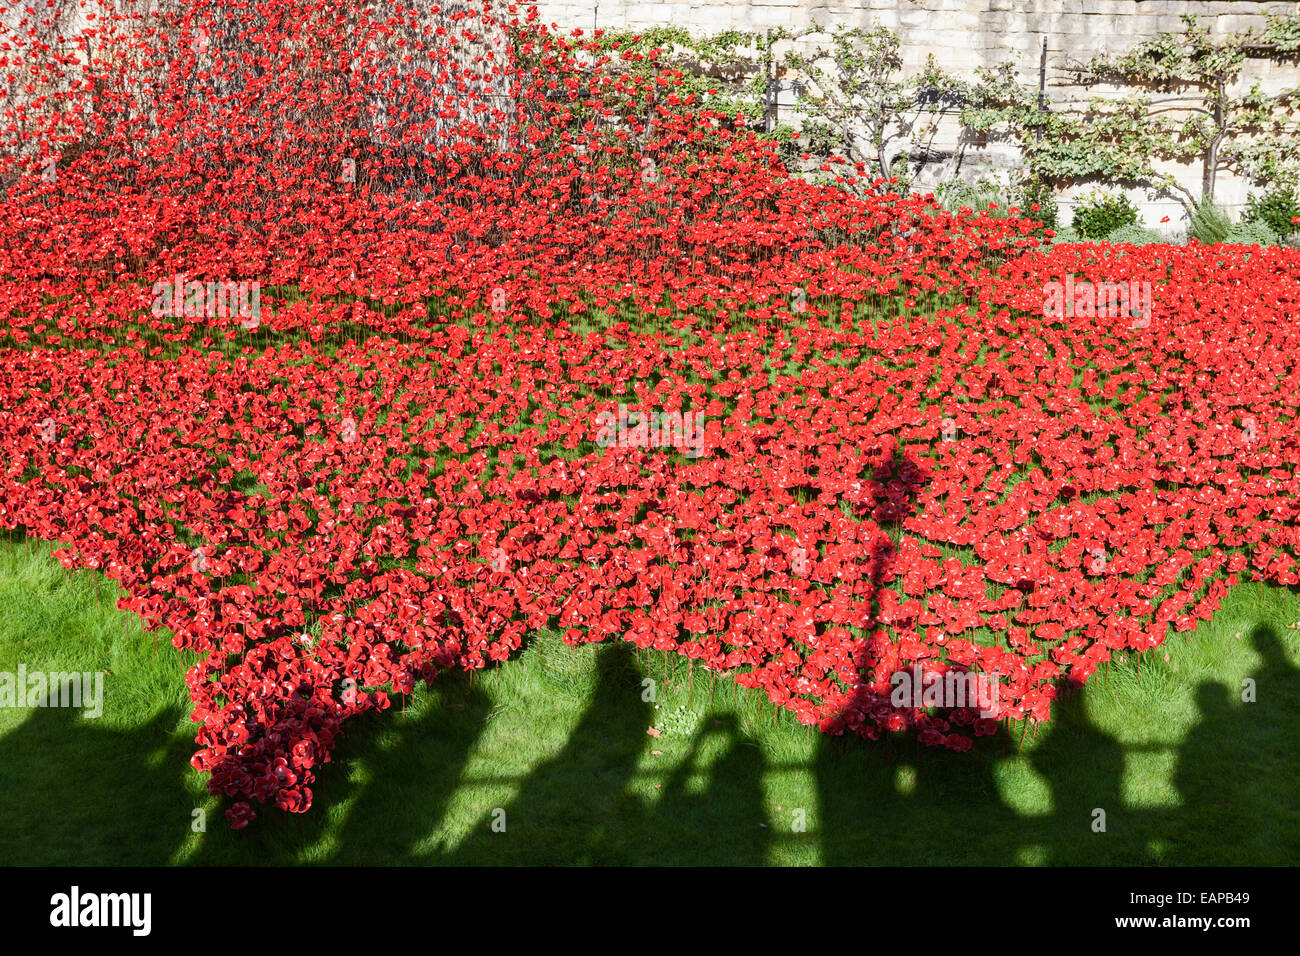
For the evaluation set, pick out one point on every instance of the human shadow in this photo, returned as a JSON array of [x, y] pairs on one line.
[[63, 773], [1236, 768], [871, 790], [395, 781], [399, 768], [1083, 767], [594, 802], [413, 771], [598, 800], [712, 812], [1064, 800], [896, 802], [573, 807]]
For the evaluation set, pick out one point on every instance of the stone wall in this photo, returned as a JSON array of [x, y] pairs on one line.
[[965, 34]]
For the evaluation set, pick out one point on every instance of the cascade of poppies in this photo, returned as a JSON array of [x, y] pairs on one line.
[[342, 336]]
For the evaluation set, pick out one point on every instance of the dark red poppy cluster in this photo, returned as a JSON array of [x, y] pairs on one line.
[[395, 470]]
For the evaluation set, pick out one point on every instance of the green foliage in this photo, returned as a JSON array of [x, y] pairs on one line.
[[1134, 234], [1102, 213], [1172, 58], [1195, 119], [1252, 133], [859, 105], [680, 722], [1275, 209], [823, 139], [1066, 234], [989, 196], [1209, 224], [787, 141], [1036, 191], [725, 72], [856, 104], [957, 194], [1282, 35], [1251, 234]]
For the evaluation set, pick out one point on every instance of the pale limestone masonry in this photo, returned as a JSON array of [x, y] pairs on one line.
[[965, 34], [961, 33]]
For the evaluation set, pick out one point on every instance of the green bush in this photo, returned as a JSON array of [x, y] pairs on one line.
[[986, 191], [955, 194], [1036, 192], [1274, 209], [1135, 235], [1209, 224], [1065, 234], [1101, 214], [1251, 234]]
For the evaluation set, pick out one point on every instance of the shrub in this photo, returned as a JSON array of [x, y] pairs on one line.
[[1101, 214], [1251, 234], [1134, 235], [1209, 224], [1274, 209], [955, 194]]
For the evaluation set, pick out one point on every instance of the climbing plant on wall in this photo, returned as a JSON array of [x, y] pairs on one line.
[[857, 103], [1179, 99], [1183, 106]]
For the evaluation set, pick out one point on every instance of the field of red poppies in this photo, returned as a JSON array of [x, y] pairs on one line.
[[316, 326]]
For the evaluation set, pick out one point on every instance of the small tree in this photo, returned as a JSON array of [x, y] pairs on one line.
[[1253, 133], [860, 105], [1121, 139]]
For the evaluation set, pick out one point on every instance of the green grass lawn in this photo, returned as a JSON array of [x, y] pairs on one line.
[[1186, 772]]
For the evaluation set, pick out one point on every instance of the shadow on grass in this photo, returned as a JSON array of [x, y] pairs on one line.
[[77, 791], [1235, 785], [579, 806], [394, 781], [1235, 775]]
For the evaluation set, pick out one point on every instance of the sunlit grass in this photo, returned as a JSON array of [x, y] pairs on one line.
[[557, 740]]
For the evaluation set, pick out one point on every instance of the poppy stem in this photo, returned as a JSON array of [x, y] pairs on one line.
[[1022, 736]]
